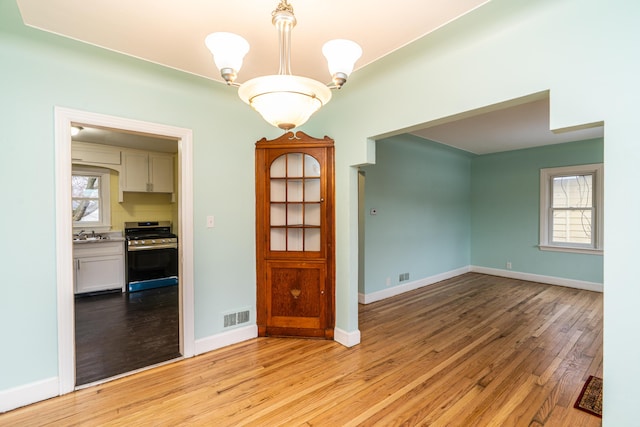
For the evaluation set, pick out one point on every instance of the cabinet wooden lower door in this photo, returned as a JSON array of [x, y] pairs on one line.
[[297, 299]]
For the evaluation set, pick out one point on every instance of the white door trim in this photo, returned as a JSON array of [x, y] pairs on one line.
[[64, 117]]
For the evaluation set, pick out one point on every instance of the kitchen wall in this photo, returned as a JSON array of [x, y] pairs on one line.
[[140, 206]]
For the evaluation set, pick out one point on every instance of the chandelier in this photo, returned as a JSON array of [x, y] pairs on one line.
[[284, 100]]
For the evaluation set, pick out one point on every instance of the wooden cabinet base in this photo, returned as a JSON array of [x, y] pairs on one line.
[[264, 331]]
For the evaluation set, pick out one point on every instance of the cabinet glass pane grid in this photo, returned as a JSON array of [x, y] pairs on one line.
[[295, 203]]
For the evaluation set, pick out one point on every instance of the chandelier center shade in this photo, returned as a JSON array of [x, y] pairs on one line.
[[284, 100]]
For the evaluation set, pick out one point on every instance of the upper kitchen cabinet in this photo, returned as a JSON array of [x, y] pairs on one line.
[[146, 172], [94, 154]]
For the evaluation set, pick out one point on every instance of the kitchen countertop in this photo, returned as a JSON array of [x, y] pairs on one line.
[[111, 236], [102, 240]]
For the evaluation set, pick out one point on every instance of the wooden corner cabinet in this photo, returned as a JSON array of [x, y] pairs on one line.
[[295, 236]]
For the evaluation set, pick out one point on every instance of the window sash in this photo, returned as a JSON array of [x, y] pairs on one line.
[[102, 198], [571, 241], [577, 200]]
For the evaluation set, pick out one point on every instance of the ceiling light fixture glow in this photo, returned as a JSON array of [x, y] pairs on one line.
[[284, 100]]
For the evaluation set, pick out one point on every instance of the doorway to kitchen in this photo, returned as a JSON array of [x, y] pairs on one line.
[[179, 299]]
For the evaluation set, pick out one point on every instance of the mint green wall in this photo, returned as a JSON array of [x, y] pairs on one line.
[[439, 209], [581, 51], [41, 71], [421, 191], [505, 211]]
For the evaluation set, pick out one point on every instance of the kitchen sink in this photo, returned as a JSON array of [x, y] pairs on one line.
[[85, 238]]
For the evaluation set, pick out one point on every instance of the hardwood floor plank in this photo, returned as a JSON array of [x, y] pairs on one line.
[[475, 350]]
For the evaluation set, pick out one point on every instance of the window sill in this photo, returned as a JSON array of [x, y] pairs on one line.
[[571, 249]]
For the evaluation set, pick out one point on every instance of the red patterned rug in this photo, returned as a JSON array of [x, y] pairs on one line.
[[590, 399]]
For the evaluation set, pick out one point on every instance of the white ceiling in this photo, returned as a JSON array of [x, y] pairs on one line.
[[172, 33], [510, 128], [120, 138]]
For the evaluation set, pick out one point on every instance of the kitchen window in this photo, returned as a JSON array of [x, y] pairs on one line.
[[90, 200], [571, 208]]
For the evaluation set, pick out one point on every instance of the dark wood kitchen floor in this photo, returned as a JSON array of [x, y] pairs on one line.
[[121, 332]]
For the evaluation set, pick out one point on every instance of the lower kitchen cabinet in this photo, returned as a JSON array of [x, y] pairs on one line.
[[98, 266]]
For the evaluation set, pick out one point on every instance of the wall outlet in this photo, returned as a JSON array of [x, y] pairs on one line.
[[508, 265], [388, 281]]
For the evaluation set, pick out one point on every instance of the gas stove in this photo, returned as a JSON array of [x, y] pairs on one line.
[[152, 255], [147, 235]]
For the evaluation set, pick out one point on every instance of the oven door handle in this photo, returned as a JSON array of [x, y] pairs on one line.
[[152, 247]]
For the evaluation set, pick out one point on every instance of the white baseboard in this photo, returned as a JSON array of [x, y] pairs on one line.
[[224, 339], [29, 393], [397, 290], [46, 389], [347, 339], [550, 280]]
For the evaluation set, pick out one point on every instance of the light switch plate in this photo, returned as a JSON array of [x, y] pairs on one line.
[[210, 221]]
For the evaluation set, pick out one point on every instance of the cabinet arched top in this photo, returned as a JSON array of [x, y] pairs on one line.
[[295, 165], [297, 139]]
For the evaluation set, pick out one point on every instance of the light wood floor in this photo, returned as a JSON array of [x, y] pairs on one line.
[[471, 351]]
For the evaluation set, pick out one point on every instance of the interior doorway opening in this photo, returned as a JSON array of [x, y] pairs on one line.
[[182, 140]]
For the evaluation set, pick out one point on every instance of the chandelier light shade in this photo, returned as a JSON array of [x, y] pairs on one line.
[[284, 100], [230, 50], [341, 57]]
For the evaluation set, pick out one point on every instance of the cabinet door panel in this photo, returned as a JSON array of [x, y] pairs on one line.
[[99, 273], [296, 294], [161, 173], [136, 172]]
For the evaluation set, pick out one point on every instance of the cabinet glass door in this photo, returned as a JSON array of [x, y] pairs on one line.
[[295, 203]]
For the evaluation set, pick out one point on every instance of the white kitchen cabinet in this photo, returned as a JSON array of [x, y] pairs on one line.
[[98, 266], [94, 154], [147, 172], [161, 173]]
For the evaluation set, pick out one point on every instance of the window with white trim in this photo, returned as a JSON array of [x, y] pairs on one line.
[[90, 201], [571, 208]]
